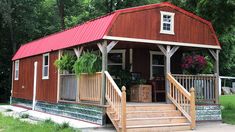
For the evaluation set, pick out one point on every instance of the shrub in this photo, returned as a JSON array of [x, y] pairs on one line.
[[9, 110], [24, 115], [89, 62], [64, 125], [49, 121]]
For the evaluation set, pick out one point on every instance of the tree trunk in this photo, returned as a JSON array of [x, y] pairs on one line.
[[60, 4]]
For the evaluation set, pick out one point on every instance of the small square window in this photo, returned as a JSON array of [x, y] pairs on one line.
[[167, 22]]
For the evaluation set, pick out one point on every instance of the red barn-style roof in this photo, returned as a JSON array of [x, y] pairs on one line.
[[88, 32]]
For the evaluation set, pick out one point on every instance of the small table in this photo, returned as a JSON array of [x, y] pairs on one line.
[[141, 93]]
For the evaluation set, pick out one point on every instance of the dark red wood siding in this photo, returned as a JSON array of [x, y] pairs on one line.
[[145, 24], [46, 89]]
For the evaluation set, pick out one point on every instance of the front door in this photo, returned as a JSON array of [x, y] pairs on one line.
[[157, 75]]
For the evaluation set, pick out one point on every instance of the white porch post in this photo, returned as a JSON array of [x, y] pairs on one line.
[[168, 70], [58, 77], [35, 85], [104, 68], [217, 77], [168, 52], [215, 55], [105, 48]]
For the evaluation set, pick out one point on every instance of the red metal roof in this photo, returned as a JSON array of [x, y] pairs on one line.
[[87, 32], [90, 31]]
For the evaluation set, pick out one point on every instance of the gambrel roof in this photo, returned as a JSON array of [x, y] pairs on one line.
[[90, 31]]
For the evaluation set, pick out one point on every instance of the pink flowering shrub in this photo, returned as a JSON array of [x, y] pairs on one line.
[[193, 64]]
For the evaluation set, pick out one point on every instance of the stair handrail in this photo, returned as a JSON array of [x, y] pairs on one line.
[[117, 101], [182, 99]]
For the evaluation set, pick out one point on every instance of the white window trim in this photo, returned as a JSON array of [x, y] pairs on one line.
[[172, 22], [18, 64], [43, 65], [151, 61], [123, 52]]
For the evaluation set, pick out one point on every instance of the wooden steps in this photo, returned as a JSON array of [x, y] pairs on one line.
[[152, 118]]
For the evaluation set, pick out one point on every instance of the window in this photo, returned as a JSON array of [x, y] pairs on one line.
[[45, 66], [167, 22], [17, 66], [116, 60], [157, 64]]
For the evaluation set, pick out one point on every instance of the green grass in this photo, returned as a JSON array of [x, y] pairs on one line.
[[9, 124], [228, 111], [4, 103]]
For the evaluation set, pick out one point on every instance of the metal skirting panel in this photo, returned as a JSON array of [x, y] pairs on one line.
[[93, 114], [208, 113]]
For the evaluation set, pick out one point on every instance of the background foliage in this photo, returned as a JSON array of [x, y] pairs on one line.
[[22, 21]]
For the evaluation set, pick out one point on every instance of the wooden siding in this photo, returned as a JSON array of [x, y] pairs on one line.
[[145, 24], [46, 89]]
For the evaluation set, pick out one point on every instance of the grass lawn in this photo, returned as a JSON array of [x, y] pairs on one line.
[[228, 113], [9, 124]]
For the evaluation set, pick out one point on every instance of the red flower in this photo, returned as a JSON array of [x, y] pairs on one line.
[[193, 63]]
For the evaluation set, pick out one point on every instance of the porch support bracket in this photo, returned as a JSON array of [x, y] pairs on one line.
[[111, 45], [78, 51], [168, 52]]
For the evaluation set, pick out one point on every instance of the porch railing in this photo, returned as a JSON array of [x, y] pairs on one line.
[[68, 87], [205, 86], [90, 87], [182, 99], [117, 101]]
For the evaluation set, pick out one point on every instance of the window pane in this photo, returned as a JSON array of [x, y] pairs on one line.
[[158, 60], [45, 72], [16, 74], [166, 18], [166, 26], [46, 60], [115, 58], [158, 71]]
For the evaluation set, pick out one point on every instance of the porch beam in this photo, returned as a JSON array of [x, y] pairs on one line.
[[103, 49], [168, 70], [215, 54], [104, 68], [217, 76], [78, 51], [111, 45]]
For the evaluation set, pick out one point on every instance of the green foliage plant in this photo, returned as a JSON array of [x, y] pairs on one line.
[[66, 63], [89, 62], [24, 116]]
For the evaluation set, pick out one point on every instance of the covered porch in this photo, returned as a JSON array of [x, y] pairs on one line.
[[158, 64], [146, 64]]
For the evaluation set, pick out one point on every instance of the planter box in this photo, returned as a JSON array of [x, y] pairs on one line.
[[141, 93]]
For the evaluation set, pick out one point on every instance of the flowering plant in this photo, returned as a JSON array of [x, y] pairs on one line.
[[194, 64]]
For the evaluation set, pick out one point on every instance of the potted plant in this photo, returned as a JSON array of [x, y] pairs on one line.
[[66, 63], [89, 62]]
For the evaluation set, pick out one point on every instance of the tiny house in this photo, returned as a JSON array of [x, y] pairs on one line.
[[150, 41]]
